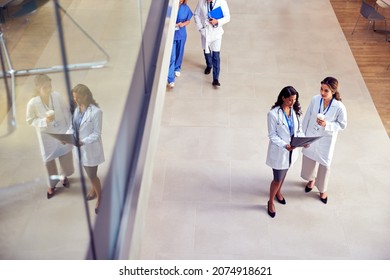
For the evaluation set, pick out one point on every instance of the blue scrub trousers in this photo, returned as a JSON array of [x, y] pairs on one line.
[[176, 59]]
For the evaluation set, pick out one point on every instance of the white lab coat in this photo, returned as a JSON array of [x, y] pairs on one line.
[[322, 150], [279, 137], [50, 147], [211, 36], [90, 134]]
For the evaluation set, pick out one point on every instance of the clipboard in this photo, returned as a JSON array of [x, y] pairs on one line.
[[67, 138], [216, 13], [302, 141]]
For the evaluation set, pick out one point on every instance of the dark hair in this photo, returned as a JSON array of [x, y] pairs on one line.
[[333, 84], [84, 91], [286, 92]]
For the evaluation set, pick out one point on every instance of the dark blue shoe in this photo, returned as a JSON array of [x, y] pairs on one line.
[[271, 214], [281, 201], [50, 195], [307, 189]]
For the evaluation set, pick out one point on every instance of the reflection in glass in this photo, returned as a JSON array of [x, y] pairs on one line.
[[48, 113], [32, 226]]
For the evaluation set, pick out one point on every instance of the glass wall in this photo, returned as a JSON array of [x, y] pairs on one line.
[[100, 41]]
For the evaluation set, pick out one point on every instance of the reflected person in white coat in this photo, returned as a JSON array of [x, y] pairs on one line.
[[283, 123], [211, 31], [48, 113], [333, 118], [87, 121]]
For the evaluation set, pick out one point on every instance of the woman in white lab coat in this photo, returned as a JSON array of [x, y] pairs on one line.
[[326, 116], [48, 113], [283, 123], [211, 31], [87, 124]]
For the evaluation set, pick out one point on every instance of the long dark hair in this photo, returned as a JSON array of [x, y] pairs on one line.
[[83, 90], [287, 92], [333, 84]]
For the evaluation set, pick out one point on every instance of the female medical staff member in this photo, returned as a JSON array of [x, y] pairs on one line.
[[87, 120], [48, 113], [333, 118], [184, 16], [211, 34], [283, 124]]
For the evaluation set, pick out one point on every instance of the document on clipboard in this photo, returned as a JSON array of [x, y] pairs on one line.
[[67, 138], [302, 141], [216, 13]]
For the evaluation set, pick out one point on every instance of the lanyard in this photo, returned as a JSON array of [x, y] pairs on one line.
[[327, 108], [290, 121], [80, 119], [48, 107]]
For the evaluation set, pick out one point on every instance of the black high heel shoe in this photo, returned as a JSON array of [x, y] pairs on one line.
[[50, 195], [271, 214], [65, 182], [307, 189], [324, 200], [281, 201]]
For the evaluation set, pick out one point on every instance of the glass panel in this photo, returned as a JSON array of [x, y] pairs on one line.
[[96, 32]]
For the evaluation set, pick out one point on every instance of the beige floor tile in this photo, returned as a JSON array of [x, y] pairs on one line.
[[279, 44], [231, 229], [200, 112], [176, 236], [200, 180]]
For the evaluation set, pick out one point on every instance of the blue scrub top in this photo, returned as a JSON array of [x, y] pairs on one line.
[[183, 15]]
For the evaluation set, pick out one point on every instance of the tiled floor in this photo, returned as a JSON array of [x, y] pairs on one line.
[[211, 183], [210, 186]]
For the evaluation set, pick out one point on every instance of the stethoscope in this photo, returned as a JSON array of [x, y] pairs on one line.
[[290, 126], [47, 107], [78, 120]]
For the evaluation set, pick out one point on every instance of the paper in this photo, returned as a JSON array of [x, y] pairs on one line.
[[216, 13], [302, 141], [67, 138]]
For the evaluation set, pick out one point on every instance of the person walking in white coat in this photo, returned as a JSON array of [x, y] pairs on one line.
[[87, 123], [326, 116], [283, 123], [48, 113], [211, 31]]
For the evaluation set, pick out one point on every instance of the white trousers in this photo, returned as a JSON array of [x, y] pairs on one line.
[[308, 173], [66, 168]]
